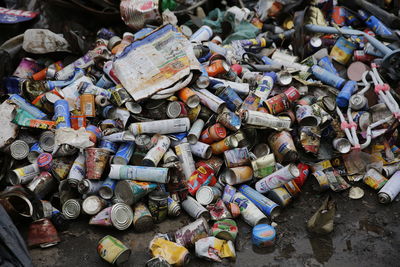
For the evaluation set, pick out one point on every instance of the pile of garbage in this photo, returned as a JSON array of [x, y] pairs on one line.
[[223, 116]]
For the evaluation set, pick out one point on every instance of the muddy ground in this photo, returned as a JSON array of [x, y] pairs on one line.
[[366, 233]]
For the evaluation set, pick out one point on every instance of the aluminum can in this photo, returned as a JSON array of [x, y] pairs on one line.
[[278, 178], [280, 196], [106, 190], [158, 205], [304, 172], [142, 219], [237, 157], [195, 209], [203, 175], [211, 101], [224, 145], [213, 133], [374, 179], [390, 190], [23, 175], [263, 166], [62, 114], [93, 205], [186, 159], [237, 175], [201, 150], [266, 205], [189, 234], [207, 194], [154, 155], [112, 250], [326, 63], [231, 98], [250, 213], [282, 145], [139, 173], [161, 126], [124, 153], [230, 120], [194, 133], [225, 229], [204, 33], [19, 149]]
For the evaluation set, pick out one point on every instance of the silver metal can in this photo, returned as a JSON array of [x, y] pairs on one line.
[[93, 205], [207, 194], [195, 131], [71, 208], [278, 178], [390, 190], [19, 149], [121, 216], [195, 209], [154, 156], [184, 154], [23, 175], [201, 150]]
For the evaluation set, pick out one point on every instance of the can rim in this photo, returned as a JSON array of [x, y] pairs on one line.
[[121, 216], [204, 195]]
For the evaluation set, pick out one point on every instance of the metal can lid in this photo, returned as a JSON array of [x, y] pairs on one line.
[[193, 101], [384, 198], [44, 159], [205, 195], [342, 145], [121, 216], [123, 191], [83, 186], [71, 208], [19, 149], [357, 101], [46, 141], [294, 170], [174, 109], [92, 205]]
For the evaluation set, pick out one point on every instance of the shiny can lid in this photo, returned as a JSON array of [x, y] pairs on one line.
[[46, 141], [205, 195], [71, 208], [174, 109], [19, 149], [121, 216], [123, 191], [106, 192], [92, 205]]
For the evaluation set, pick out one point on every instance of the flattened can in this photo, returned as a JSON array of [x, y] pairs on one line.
[[280, 196], [158, 205], [250, 213], [390, 190], [266, 205], [263, 166], [282, 145], [374, 179], [23, 175], [278, 178], [195, 209], [237, 157], [26, 68], [189, 234], [113, 251]]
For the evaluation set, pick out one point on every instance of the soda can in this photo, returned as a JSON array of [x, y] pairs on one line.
[[139, 173], [195, 209], [78, 170], [155, 154], [204, 33], [124, 153], [113, 251], [374, 179], [72, 208], [184, 154], [237, 157], [42, 185], [106, 190], [109, 146], [267, 206], [213, 133], [390, 190], [87, 105], [229, 120], [207, 194], [281, 144], [280, 196], [44, 161], [96, 160], [327, 77], [210, 100], [188, 235], [250, 213], [46, 141], [26, 68], [160, 126], [23, 175], [174, 209], [62, 114], [231, 98], [89, 187], [278, 178], [195, 131], [25, 105], [19, 149], [224, 145], [263, 166], [201, 150], [93, 205], [189, 97], [305, 116], [142, 219], [158, 205], [342, 145], [237, 175], [263, 235]]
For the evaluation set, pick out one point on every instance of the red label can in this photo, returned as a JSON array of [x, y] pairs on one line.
[[304, 172], [212, 134], [292, 94], [277, 104]]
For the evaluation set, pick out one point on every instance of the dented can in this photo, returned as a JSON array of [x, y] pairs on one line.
[[282, 145], [189, 234], [263, 166], [213, 133], [23, 175]]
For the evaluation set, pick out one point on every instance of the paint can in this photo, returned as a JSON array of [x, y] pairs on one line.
[[142, 219], [342, 145], [71, 208], [113, 251], [124, 153], [139, 173], [250, 213], [23, 175], [278, 178], [267, 206], [263, 166], [195, 131], [282, 145], [195, 209], [96, 160], [280, 196], [207, 194], [390, 190], [292, 188], [46, 141], [186, 159], [131, 192], [213, 134], [263, 235], [19, 149], [374, 179], [158, 205], [237, 175], [188, 235]]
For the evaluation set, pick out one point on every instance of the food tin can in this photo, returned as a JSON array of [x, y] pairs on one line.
[[282, 145], [34, 152], [213, 133], [277, 104], [195, 131], [72, 208], [42, 185], [225, 229], [207, 194], [201, 150], [292, 188], [112, 250], [89, 187], [390, 190], [263, 235], [374, 179], [280, 196], [278, 178], [44, 161], [23, 175], [142, 219], [158, 205], [46, 141], [19, 149], [189, 234], [263, 166], [189, 97], [237, 175], [93, 205], [121, 216], [195, 209], [237, 157]]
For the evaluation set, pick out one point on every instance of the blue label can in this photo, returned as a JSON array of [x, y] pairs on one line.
[[327, 64], [62, 114], [25, 105], [109, 146], [343, 50], [124, 153], [266, 205], [263, 235], [374, 23], [342, 100], [106, 190], [229, 192], [232, 99], [327, 77]]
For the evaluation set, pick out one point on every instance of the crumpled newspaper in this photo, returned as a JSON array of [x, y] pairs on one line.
[[76, 138], [42, 41]]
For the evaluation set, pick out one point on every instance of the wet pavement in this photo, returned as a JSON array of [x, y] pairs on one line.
[[366, 233]]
